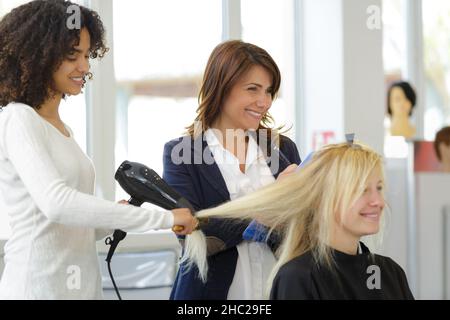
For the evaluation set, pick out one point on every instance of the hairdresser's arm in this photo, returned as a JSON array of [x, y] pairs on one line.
[[258, 232], [221, 234], [103, 233], [24, 140]]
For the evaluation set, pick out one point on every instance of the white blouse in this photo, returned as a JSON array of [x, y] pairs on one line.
[[47, 182], [255, 259]]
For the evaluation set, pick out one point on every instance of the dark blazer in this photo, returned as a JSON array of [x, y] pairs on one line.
[[203, 185]]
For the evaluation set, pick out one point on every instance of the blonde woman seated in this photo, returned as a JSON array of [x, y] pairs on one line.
[[323, 211]]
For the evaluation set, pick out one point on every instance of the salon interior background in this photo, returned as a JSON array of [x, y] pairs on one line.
[[336, 57]]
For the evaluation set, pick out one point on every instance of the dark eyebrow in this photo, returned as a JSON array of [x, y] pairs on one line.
[[258, 85], [255, 84], [78, 50]]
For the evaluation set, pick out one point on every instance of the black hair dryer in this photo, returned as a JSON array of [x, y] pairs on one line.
[[144, 185]]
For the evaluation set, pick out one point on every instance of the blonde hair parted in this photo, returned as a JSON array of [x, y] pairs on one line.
[[302, 206]]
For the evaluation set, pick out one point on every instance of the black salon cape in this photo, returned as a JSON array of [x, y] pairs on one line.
[[302, 278]]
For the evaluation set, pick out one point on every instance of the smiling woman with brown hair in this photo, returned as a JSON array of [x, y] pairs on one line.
[[230, 144], [46, 181]]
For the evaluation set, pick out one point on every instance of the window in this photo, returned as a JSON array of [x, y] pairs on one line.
[[394, 40], [269, 25], [161, 49], [436, 41]]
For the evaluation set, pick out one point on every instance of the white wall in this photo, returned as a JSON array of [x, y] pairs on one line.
[[322, 68], [343, 71], [422, 253], [364, 103], [101, 112], [395, 236], [432, 194]]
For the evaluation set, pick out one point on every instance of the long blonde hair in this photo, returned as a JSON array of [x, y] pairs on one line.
[[302, 206]]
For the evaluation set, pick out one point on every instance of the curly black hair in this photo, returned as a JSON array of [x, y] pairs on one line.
[[34, 41]]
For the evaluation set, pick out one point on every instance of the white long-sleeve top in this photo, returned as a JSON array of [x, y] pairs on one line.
[[255, 259], [46, 183]]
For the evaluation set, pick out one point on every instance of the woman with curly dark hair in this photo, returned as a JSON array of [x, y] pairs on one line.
[[46, 181]]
